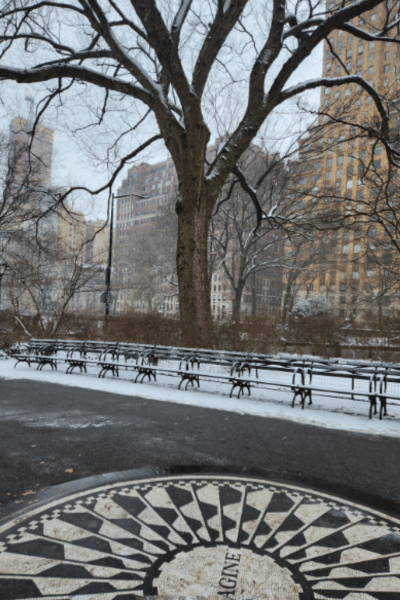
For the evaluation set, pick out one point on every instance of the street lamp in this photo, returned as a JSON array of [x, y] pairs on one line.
[[110, 249], [3, 268]]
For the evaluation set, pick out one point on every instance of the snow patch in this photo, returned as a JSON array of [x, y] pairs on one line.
[[332, 413]]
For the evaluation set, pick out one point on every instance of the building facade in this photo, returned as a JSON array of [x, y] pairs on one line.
[[343, 179], [32, 154], [146, 224]]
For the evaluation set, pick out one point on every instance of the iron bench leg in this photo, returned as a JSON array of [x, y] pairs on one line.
[[382, 400], [145, 372], [241, 385], [372, 405], [189, 378]]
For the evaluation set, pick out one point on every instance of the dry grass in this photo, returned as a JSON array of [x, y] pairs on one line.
[[322, 336], [318, 335], [260, 334]]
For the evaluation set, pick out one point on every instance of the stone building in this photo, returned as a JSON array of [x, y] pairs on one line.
[[341, 174]]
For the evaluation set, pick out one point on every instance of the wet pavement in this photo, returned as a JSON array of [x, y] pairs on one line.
[[110, 497]]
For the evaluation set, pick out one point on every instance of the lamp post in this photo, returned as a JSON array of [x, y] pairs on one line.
[[110, 249], [3, 268], [108, 270]]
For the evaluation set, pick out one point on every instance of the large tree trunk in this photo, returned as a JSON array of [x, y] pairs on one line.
[[192, 266], [253, 295]]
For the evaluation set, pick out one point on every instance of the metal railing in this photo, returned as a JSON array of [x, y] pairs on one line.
[[302, 375]]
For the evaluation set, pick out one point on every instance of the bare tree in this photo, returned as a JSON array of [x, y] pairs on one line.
[[234, 248], [20, 190], [43, 275], [166, 56]]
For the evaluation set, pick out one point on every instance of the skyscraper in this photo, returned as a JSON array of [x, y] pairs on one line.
[[343, 167], [32, 155]]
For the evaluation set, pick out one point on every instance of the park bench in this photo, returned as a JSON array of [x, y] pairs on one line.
[[297, 374]]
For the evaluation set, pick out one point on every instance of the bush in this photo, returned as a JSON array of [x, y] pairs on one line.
[[314, 305], [259, 334]]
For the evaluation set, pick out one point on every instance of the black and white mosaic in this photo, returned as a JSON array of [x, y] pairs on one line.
[[200, 536]]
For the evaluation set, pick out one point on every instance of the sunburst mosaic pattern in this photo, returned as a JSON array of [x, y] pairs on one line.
[[214, 537]]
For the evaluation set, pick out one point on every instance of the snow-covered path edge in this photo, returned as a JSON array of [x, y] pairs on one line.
[[329, 413]]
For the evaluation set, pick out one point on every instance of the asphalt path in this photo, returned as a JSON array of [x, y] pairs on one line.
[[52, 435]]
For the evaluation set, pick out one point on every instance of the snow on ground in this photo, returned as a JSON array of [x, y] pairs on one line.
[[332, 413]]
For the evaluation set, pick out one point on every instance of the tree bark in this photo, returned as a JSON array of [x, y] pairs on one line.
[[192, 267]]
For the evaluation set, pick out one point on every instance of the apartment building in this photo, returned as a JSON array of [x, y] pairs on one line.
[[148, 196], [341, 171]]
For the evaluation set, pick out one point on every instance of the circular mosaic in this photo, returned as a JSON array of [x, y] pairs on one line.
[[200, 536]]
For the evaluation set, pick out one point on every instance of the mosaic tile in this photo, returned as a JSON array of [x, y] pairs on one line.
[[199, 537]]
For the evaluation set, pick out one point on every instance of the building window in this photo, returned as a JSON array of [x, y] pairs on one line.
[[371, 57], [343, 275], [355, 274], [386, 68], [371, 45], [347, 91], [370, 272], [386, 55], [345, 249]]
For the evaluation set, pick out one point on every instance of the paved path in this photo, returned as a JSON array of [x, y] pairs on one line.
[[46, 429], [124, 497]]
